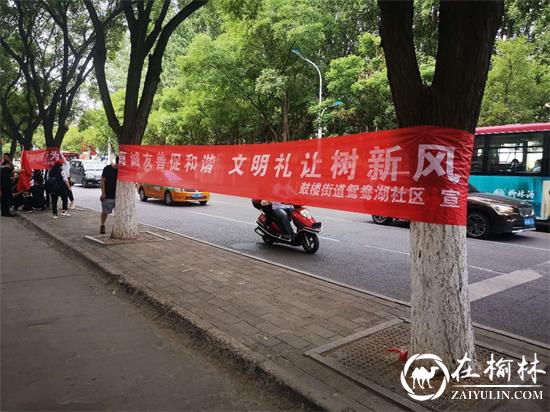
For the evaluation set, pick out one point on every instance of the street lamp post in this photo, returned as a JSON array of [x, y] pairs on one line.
[[335, 104], [298, 53]]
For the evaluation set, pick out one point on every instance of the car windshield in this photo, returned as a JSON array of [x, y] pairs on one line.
[[94, 166], [472, 189]]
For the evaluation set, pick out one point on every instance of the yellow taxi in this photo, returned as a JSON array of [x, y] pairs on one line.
[[172, 195]]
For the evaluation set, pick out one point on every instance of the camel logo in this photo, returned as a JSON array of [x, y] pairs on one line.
[[422, 377]]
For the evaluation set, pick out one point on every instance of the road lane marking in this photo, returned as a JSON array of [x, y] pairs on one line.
[[329, 238], [486, 270], [226, 203], [399, 251], [496, 284], [336, 219], [545, 266], [408, 254], [249, 223], [387, 250], [225, 218], [512, 244]]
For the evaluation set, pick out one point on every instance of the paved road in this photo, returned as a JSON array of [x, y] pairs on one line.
[[69, 342], [510, 274]]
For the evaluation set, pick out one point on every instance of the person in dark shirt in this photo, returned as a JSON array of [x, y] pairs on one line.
[[17, 196], [37, 191], [108, 192], [58, 187], [6, 184]]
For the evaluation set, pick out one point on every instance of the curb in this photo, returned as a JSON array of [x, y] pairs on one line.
[[391, 301], [223, 344], [351, 288], [228, 347]]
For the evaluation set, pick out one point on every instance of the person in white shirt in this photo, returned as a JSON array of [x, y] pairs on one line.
[[67, 179]]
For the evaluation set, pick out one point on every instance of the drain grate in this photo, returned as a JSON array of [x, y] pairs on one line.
[[363, 357]]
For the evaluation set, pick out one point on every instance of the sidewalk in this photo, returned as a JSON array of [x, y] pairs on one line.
[[71, 342], [259, 313]]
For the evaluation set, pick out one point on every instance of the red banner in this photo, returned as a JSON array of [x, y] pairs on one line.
[[36, 159], [418, 173]]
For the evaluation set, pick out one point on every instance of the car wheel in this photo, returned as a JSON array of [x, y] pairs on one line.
[[478, 226], [142, 196], [203, 202], [382, 220], [84, 183], [168, 198]]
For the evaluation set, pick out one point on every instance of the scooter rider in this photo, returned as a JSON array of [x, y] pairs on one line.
[[281, 212]]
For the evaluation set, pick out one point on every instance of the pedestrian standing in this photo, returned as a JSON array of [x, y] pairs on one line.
[[66, 173], [58, 186], [67, 177], [6, 172], [108, 192]]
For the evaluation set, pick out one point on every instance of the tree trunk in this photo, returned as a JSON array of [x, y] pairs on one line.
[[48, 134], [441, 320], [13, 147], [126, 225], [440, 317], [27, 139]]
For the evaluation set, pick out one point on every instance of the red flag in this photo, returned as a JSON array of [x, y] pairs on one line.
[[36, 159]]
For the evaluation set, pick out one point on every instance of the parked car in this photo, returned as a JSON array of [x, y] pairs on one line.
[[489, 214], [86, 172], [172, 195]]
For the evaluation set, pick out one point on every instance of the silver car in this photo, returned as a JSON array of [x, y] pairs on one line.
[[87, 172]]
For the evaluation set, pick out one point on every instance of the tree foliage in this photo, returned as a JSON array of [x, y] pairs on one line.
[[228, 75], [51, 43], [150, 26], [237, 81], [19, 118], [518, 86]]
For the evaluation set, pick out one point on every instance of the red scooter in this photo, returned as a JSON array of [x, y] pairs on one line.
[[271, 232]]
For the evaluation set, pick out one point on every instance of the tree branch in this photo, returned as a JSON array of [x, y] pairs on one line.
[[100, 58], [12, 124], [127, 7], [152, 37], [396, 31], [462, 71], [155, 64]]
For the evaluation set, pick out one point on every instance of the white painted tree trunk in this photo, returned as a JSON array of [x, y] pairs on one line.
[[440, 320], [126, 225]]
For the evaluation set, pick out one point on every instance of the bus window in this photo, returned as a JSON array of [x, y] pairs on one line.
[[477, 156], [515, 153]]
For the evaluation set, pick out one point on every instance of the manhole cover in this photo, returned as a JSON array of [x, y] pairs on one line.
[[144, 236], [364, 358]]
